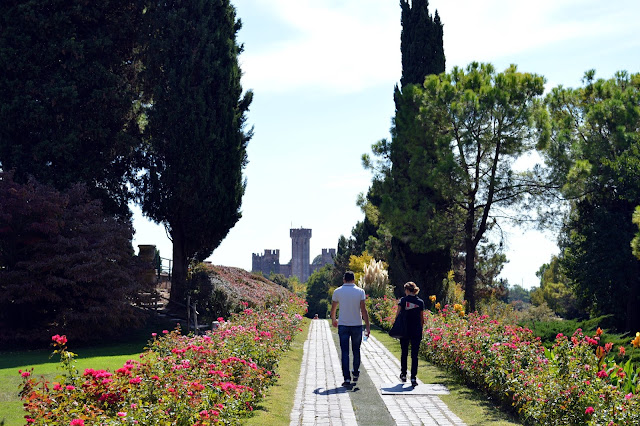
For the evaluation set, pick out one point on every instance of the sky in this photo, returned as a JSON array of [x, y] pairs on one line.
[[323, 74]]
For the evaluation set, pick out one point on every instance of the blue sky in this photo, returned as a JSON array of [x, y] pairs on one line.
[[323, 74]]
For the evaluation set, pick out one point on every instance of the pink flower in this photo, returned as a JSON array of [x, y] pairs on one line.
[[61, 340], [25, 374], [165, 331], [121, 414], [220, 319], [56, 386], [70, 387], [77, 422], [589, 410], [154, 334]]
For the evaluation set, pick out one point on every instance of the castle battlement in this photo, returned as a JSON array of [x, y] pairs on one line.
[[299, 265]]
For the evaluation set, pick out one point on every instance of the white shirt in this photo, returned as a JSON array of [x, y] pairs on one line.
[[349, 296]]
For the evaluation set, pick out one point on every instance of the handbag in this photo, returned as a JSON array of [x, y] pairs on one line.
[[399, 328]]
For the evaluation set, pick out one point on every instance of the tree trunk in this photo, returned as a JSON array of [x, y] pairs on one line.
[[633, 299], [470, 274], [179, 273]]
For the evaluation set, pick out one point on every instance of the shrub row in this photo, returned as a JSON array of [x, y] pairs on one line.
[[214, 379], [577, 381]]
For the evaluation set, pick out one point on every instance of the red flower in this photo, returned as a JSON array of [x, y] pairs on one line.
[[589, 410]]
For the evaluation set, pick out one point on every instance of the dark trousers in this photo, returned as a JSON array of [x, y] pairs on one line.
[[415, 346], [353, 333]]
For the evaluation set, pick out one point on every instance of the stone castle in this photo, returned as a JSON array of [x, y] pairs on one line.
[[300, 265]]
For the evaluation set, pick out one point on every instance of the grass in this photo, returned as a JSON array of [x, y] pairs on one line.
[[275, 408], [472, 406]]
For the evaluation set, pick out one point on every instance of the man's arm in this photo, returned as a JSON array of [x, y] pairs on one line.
[[334, 305], [365, 317]]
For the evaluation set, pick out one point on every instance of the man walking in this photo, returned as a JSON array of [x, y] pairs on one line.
[[353, 310]]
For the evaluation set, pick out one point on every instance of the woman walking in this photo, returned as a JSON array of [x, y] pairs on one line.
[[413, 308]]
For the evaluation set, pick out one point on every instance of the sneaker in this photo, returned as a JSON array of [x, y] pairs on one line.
[[403, 377], [414, 383], [355, 375], [346, 383]]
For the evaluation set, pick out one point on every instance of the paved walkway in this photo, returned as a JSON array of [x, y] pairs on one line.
[[321, 400]]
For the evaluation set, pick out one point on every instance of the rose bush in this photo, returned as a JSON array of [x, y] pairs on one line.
[[577, 381], [213, 379]]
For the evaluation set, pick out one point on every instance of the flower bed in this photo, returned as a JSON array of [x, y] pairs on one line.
[[213, 379], [575, 382]]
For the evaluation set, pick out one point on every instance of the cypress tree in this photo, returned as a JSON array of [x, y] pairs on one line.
[[426, 263], [67, 88], [196, 141], [420, 42]]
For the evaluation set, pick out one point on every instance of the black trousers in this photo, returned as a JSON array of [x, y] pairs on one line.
[[415, 346]]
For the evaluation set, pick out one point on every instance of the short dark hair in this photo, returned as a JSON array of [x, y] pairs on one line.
[[349, 276]]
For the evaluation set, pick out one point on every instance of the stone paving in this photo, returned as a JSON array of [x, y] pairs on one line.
[[321, 400]]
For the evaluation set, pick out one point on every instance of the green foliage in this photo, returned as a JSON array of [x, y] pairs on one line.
[[64, 266], [555, 290], [195, 138], [517, 292], [594, 155], [318, 297], [281, 280], [69, 85]]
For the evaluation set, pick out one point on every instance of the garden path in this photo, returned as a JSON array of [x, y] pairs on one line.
[[321, 400]]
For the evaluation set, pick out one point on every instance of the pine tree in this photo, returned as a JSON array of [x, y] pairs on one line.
[[196, 139]]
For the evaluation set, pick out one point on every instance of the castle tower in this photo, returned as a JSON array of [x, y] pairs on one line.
[[300, 253]]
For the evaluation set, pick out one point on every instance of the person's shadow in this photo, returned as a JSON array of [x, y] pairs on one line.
[[336, 391], [399, 388]]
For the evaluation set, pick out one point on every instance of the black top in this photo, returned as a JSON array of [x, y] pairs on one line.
[[413, 307]]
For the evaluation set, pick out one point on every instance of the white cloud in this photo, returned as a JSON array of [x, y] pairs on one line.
[[342, 47], [493, 29]]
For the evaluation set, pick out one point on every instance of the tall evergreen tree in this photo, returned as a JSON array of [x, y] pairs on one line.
[[424, 262], [67, 88], [196, 138]]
